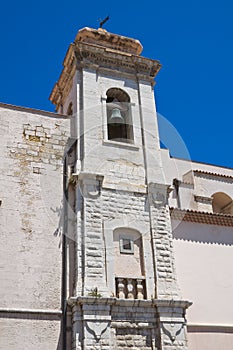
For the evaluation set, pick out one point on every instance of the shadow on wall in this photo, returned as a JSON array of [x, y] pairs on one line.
[[58, 231], [203, 233]]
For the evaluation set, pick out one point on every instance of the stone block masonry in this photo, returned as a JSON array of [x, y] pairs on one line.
[[31, 153]]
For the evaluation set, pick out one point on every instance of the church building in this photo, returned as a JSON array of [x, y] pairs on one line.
[[107, 242]]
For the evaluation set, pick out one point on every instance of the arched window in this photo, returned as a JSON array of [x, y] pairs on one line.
[[119, 119], [222, 203], [128, 264]]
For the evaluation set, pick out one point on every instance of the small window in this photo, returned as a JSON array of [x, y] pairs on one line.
[[119, 118], [126, 245]]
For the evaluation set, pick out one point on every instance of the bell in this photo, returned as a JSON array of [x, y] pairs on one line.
[[116, 117]]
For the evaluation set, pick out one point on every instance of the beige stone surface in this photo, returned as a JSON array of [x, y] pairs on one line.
[[31, 152]]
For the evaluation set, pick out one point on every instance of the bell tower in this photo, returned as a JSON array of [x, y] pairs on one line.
[[122, 289]]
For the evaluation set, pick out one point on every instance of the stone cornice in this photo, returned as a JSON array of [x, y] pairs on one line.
[[213, 176], [162, 303], [103, 38], [192, 174], [202, 217], [62, 87], [84, 55], [90, 55]]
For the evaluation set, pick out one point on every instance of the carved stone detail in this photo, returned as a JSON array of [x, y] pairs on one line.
[[172, 323], [139, 289], [121, 288], [158, 194], [90, 184], [97, 328], [82, 54], [130, 288], [87, 53]]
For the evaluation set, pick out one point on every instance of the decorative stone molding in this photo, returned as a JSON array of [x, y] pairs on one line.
[[130, 288], [111, 321], [158, 194], [133, 325], [172, 323], [97, 328], [88, 54], [123, 57], [62, 87], [101, 37], [90, 184]]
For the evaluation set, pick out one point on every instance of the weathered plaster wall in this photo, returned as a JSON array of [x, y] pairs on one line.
[[31, 151]]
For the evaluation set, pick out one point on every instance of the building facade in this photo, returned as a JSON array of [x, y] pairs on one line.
[[107, 241]]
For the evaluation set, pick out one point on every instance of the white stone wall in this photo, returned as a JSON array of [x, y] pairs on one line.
[[31, 152], [117, 190], [124, 207]]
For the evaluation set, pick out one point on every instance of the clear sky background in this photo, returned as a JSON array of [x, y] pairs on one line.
[[192, 39]]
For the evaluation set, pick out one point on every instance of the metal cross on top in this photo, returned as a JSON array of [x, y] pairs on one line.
[[104, 21]]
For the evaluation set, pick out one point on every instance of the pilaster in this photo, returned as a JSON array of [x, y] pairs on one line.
[[91, 246], [166, 283], [172, 324]]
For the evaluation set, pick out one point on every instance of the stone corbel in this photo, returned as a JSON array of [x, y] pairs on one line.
[[172, 319], [158, 194], [173, 329], [90, 184], [97, 328]]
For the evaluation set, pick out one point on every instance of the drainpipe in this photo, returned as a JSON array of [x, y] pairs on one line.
[[176, 184], [64, 255]]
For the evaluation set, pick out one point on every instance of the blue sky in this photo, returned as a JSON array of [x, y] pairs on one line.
[[192, 39]]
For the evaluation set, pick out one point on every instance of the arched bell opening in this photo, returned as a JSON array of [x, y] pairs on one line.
[[119, 118]]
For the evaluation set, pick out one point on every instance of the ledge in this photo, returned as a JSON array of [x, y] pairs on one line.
[[129, 302], [33, 111], [30, 314], [212, 174], [209, 328], [201, 217], [124, 145]]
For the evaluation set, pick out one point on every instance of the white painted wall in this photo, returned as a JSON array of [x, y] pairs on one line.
[[204, 259]]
